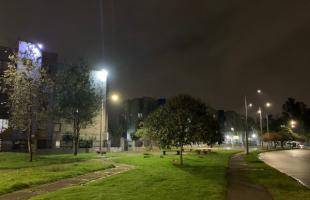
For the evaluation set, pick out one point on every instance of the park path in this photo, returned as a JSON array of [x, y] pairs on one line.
[[239, 186], [57, 185]]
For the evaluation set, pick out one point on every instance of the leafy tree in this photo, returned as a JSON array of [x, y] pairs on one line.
[[27, 87], [77, 100], [183, 120], [282, 135], [297, 110], [212, 134]]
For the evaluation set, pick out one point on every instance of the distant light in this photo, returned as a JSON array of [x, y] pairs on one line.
[[259, 91], [250, 105], [236, 137], [268, 104], [102, 75], [254, 135], [259, 111], [40, 46], [227, 137], [115, 97], [293, 123], [232, 129]]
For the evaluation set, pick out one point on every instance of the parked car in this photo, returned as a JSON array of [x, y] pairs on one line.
[[294, 145]]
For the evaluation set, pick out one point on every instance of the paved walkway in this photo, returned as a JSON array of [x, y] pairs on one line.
[[239, 186], [57, 185]]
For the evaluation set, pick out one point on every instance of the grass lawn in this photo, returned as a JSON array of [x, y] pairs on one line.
[[17, 173], [21, 160], [281, 186], [201, 177]]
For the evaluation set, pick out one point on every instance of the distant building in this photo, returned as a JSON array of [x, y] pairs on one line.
[[136, 110], [4, 60], [16, 140]]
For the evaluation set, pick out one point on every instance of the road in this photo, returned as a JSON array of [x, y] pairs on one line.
[[295, 163]]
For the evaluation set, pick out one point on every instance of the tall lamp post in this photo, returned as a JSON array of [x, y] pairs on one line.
[[246, 126], [259, 112], [102, 75], [268, 105]]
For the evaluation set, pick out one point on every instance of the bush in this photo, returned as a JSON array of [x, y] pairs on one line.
[[67, 137], [84, 143]]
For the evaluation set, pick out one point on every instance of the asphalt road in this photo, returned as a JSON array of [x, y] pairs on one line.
[[295, 163]]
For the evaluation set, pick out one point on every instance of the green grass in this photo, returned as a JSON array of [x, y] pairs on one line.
[[20, 160], [280, 186], [18, 173], [201, 177]]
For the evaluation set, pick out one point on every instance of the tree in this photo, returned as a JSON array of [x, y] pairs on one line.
[[183, 120], [77, 101], [212, 135], [27, 86], [282, 135], [297, 110]]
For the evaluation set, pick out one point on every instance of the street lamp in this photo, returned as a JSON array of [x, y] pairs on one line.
[[268, 105], [114, 97], [246, 125], [293, 123], [102, 75], [260, 122]]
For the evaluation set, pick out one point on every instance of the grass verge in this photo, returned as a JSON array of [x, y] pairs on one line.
[[280, 186], [26, 176], [154, 177], [20, 160]]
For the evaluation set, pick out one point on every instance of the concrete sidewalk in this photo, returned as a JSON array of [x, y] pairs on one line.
[[57, 185], [239, 186]]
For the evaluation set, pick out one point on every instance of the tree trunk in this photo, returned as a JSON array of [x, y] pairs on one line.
[[75, 147], [75, 139], [29, 142], [181, 155], [77, 135]]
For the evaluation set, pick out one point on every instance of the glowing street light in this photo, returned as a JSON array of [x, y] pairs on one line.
[[268, 105], [250, 105], [232, 129], [115, 97], [259, 111], [293, 123], [259, 91]]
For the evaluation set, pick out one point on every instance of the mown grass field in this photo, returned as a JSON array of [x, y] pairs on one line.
[[17, 173], [155, 177], [281, 186], [20, 160]]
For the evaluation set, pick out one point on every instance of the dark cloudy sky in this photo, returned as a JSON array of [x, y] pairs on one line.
[[217, 50]]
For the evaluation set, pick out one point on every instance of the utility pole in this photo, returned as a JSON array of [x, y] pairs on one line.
[[267, 121], [261, 125], [246, 126]]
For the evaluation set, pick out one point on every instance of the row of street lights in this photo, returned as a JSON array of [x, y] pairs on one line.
[[259, 112]]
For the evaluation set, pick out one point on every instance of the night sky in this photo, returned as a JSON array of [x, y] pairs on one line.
[[217, 50]]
